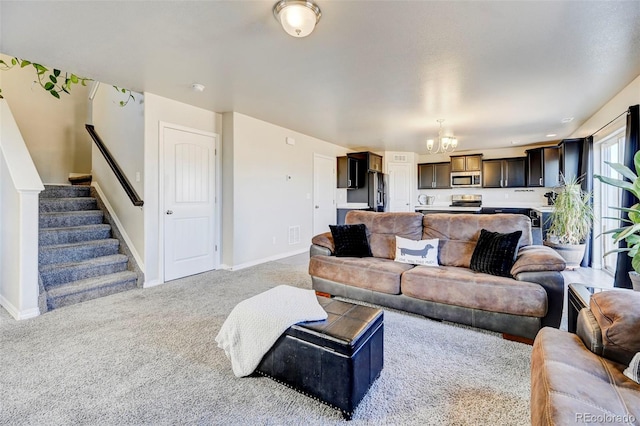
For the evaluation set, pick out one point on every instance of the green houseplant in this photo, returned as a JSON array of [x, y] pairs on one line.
[[629, 231], [570, 222]]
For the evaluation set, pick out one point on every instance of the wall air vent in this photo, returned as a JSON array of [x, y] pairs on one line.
[[399, 158], [294, 234]]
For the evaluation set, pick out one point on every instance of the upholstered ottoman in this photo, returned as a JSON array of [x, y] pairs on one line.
[[335, 360]]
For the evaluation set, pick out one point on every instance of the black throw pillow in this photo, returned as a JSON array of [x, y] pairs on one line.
[[350, 240], [495, 253]]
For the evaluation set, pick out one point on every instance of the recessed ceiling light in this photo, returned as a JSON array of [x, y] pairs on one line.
[[550, 135], [197, 87], [515, 142], [567, 120]]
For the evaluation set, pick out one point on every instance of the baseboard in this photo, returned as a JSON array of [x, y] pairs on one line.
[[149, 284], [263, 260], [16, 313], [121, 228]]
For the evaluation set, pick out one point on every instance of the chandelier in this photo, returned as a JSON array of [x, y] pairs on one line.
[[445, 143]]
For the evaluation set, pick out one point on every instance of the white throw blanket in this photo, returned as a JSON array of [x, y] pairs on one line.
[[255, 324]]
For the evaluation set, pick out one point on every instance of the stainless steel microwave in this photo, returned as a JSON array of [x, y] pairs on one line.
[[466, 179]]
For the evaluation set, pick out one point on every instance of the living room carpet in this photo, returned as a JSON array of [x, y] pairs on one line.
[[148, 356]]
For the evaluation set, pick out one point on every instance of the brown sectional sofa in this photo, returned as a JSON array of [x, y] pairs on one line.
[[578, 378], [519, 306]]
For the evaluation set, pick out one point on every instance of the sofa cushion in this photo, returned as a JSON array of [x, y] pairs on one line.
[[423, 252], [372, 273], [382, 229], [495, 253], [350, 240], [568, 381], [618, 315], [463, 287], [458, 233]]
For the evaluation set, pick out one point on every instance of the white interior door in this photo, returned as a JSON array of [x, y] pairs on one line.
[[324, 189], [189, 202], [399, 192]]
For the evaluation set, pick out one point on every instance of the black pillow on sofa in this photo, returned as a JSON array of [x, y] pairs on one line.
[[495, 253], [350, 240]]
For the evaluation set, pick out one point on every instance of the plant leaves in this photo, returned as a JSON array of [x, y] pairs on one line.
[[623, 170], [49, 86], [53, 79], [55, 94], [24, 64], [56, 72], [635, 262], [14, 61], [74, 78]]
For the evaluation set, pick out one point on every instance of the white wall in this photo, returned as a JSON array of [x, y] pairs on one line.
[[260, 201], [19, 189], [158, 109], [53, 129], [628, 96], [122, 131]]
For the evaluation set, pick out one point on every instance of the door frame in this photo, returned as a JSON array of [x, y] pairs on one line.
[[313, 197], [217, 209]]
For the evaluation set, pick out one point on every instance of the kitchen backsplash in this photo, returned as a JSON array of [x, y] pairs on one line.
[[492, 197]]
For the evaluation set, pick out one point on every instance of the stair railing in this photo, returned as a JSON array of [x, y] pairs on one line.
[[126, 185]]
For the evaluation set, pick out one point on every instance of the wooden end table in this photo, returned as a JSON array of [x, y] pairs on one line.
[[579, 297]]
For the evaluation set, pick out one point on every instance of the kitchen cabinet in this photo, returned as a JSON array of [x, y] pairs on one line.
[[466, 163], [374, 162], [434, 175], [570, 158], [504, 173], [543, 167], [350, 172]]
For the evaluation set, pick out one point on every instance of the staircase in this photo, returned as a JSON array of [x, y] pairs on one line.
[[78, 258]]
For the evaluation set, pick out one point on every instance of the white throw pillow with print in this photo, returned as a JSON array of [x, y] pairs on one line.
[[423, 252]]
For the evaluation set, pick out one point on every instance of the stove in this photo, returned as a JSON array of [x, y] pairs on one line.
[[466, 200]]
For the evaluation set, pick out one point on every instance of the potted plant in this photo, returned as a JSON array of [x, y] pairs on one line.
[[571, 220], [630, 231]]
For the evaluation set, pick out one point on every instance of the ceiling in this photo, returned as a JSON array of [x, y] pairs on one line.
[[373, 75]]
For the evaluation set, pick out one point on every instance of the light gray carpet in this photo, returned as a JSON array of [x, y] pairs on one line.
[[148, 356]]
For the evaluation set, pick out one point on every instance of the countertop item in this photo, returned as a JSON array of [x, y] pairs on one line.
[[543, 209]]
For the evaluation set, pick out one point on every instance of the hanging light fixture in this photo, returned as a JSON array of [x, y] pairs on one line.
[[297, 17], [445, 143]]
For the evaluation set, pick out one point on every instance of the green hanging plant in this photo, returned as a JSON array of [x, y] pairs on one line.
[[55, 81]]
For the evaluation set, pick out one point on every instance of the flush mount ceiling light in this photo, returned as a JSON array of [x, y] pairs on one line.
[[445, 143], [297, 17]]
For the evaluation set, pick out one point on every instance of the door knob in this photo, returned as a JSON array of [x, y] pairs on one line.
[[317, 207], [169, 212]]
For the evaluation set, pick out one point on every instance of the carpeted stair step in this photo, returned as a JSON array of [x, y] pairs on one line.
[[90, 288], [76, 252], [62, 219], [62, 273], [74, 234], [48, 205], [65, 191]]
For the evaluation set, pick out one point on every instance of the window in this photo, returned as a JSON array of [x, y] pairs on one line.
[[612, 150]]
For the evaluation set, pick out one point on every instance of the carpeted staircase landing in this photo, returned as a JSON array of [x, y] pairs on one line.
[[78, 258]]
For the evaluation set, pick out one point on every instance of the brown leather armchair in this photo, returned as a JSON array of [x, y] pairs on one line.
[[578, 378]]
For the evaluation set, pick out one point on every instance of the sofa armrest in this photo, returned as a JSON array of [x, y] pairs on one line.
[[537, 259], [553, 284], [322, 244], [589, 331]]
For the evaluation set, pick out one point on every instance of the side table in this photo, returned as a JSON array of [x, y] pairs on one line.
[[579, 297]]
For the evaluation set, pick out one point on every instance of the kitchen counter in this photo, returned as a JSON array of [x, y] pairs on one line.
[[353, 206], [447, 208]]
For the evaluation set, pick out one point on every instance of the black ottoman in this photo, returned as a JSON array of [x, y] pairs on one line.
[[335, 360]]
